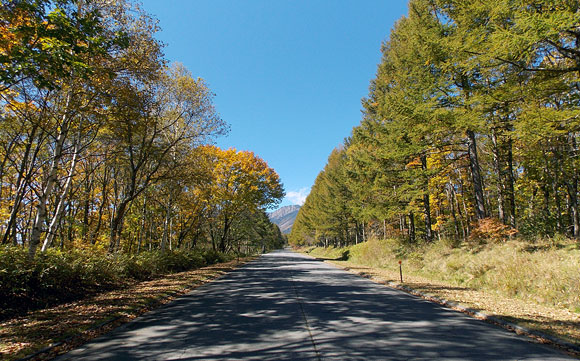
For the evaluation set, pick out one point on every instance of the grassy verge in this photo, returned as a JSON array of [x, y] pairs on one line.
[[77, 322], [533, 285]]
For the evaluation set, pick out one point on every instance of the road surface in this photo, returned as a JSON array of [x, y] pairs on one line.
[[286, 306]]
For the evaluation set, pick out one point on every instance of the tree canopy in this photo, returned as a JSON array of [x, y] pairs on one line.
[[104, 144], [472, 118]]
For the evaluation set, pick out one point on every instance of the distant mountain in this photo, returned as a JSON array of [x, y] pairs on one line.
[[284, 217]]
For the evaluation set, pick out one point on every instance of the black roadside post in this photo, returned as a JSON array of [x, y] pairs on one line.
[[401, 270]]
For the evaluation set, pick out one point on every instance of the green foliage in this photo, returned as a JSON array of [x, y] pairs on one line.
[[327, 213], [47, 41], [210, 256], [149, 265], [55, 276], [51, 277], [470, 126]]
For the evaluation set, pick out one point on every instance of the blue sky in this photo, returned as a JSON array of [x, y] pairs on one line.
[[288, 75]]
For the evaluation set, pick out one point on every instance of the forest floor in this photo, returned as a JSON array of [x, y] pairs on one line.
[[58, 329], [560, 322]]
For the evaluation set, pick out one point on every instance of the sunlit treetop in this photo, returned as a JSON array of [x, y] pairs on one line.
[[46, 41]]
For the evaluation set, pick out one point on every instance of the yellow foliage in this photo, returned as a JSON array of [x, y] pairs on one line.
[[414, 163], [241, 179]]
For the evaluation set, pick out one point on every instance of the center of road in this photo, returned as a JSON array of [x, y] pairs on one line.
[[300, 302]]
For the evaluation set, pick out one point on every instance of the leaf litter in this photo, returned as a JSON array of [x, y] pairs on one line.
[[61, 328]]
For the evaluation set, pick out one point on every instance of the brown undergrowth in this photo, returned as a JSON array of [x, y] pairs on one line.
[[70, 325]]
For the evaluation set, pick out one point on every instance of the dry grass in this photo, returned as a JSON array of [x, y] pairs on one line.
[[78, 322], [535, 286]]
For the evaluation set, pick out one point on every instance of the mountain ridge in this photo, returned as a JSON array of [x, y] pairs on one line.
[[284, 217]]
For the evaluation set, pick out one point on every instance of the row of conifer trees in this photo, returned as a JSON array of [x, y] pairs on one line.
[[470, 128]]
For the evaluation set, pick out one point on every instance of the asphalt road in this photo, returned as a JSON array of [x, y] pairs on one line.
[[286, 306]]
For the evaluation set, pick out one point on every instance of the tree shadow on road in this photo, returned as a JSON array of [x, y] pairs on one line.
[[289, 307]]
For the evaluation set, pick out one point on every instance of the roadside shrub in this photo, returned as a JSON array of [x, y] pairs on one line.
[[141, 267], [212, 257], [16, 274], [55, 276], [329, 253], [179, 261], [492, 230]]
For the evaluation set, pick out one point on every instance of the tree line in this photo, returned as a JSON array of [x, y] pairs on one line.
[[105, 144], [470, 126]]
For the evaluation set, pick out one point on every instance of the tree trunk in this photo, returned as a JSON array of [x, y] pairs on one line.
[[86, 213], [467, 228], [23, 180], [10, 232], [559, 224], [170, 233], [117, 226], [166, 227], [499, 172], [104, 196], [401, 224], [212, 236], [364, 237], [546, 211], [142, 228], [8, 149], [224, 237], [384, 228], [47, 189], [452, 202], [572, 186], [411, 226], [476, 176], [555, 190], [426, 203], [511, 184], [88, 195], [59, 208], [71, 230]]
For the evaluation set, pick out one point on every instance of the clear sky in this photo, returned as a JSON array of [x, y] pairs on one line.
[[288, 75]]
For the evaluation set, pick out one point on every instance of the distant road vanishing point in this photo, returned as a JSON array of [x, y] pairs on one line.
[[286, 306]]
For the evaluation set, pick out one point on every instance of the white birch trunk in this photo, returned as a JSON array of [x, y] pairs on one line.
[[47, 190], [58, 213]]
